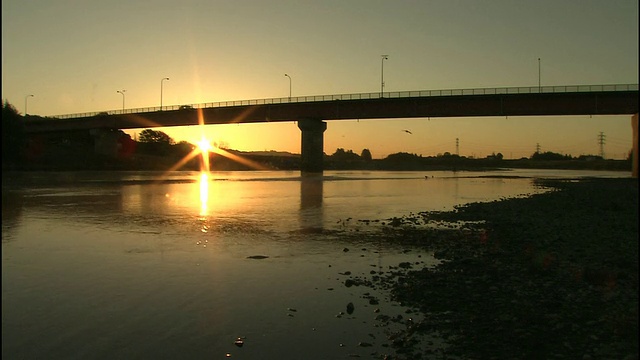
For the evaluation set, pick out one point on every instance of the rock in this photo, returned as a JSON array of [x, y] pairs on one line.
[[350, 308]]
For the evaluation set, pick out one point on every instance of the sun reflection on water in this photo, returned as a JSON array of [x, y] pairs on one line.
[[204, 206], [204, 194], [204, 149]]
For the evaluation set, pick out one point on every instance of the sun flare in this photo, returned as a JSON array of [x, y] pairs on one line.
[[204, 146]]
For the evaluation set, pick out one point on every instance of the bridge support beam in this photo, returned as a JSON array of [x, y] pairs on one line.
[[312, 147], [634, 152]]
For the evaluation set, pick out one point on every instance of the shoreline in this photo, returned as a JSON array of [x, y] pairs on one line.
[[553, 275]]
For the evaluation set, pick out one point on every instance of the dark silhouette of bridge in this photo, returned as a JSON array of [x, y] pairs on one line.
[[311, 112]]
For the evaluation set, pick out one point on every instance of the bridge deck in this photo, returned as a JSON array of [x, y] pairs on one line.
[[532, 101]]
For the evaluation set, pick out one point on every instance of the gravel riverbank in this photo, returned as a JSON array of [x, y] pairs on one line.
[[552, 276]]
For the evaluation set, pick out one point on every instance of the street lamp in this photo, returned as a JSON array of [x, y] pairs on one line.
[[163, 79], [384, 57], [122, 92], [539, 87], [289, 86], [25, 103]]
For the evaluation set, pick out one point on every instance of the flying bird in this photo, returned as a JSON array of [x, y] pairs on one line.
[[407, 131]]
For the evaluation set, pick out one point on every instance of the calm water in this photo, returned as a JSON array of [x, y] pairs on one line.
[[162, 266]]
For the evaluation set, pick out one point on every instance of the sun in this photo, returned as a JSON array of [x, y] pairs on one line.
[[204, 146]]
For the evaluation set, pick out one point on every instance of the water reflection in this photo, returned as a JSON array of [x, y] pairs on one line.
[[100, 262], [204, 205], [245, 202], [311, 212], [12, 203], [456, 189], [204, 194], [311, 192]]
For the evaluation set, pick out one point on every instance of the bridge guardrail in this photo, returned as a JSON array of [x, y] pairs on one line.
[[372, 95]]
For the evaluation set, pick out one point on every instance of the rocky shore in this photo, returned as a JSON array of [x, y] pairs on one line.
[[552, 276]]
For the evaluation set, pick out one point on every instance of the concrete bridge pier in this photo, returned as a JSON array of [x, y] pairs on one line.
[[312, 148]]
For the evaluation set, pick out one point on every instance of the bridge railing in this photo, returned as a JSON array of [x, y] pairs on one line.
[[371, 95]]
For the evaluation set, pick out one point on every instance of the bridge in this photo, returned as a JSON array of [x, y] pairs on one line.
[[312, 112]]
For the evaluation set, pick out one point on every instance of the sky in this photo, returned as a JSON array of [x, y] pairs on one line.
[[74, 56]]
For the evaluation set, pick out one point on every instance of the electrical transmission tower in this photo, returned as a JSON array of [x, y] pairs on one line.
[[457, 147], [601, 142], [538, 148]]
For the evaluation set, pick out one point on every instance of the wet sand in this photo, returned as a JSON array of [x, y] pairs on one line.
[[553, 276]]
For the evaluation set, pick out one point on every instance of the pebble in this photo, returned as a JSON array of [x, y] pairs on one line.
[[350, 308]]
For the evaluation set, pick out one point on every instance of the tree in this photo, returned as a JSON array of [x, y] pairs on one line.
[[154, 143], [127, 146], [547, 156], [366, 155], [13, 136], [152, 136], [183, 148], [403, 157], [342, 155], [402, 161], [222, 145]]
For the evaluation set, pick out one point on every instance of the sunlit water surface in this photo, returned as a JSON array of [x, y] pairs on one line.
[[175, 265]]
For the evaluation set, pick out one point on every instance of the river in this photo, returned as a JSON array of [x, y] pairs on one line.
[[243, 265]]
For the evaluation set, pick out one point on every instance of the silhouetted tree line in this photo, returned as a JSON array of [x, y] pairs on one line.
[[550, 156], [13, 137], [342, 159]]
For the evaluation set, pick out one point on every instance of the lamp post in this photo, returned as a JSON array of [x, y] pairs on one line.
[[163, 79], [287, 75], [25, 103], [539, 87], [122, 92], [384, 57]]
